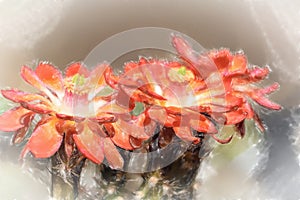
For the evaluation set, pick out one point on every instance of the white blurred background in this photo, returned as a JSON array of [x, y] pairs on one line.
[[67, 30]]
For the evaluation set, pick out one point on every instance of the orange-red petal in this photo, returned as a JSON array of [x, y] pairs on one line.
[[21, 133], [133, 128], [97, 75], [19, 96], [45, 139], [184, 133], [258, 74], [260, 98], [238, 64], [119, 137], [30, 77], [112, 107], [112, 155], [105, 118], [50, 76], [222, 141], [184, 49], [95, 128], [168, 116], [149, 89], [11, 120], [158, 114], [265, 102], [76, 68], [269, 89], [38, 108], [90, 144], [235, 117], [221, 58], [203, 125], [110, 78], [130, 66]]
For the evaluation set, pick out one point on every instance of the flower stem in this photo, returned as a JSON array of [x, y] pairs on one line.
[[61, 189], [66, 175]]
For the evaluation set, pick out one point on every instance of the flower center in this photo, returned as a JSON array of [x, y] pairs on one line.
[[180, 74], [77, 84], [78, 79], [75, 100]]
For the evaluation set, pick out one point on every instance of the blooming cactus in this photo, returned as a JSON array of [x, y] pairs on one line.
[[71, 111], [194, 93], [238, 79], [190, 93]]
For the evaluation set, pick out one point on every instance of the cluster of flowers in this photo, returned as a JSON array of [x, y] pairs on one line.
[[193, 93]]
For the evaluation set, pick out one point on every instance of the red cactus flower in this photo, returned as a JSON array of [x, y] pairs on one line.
[[238, 79], [171, 93], [197, 92], [129, 131], [70, 107], [181, 94]]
